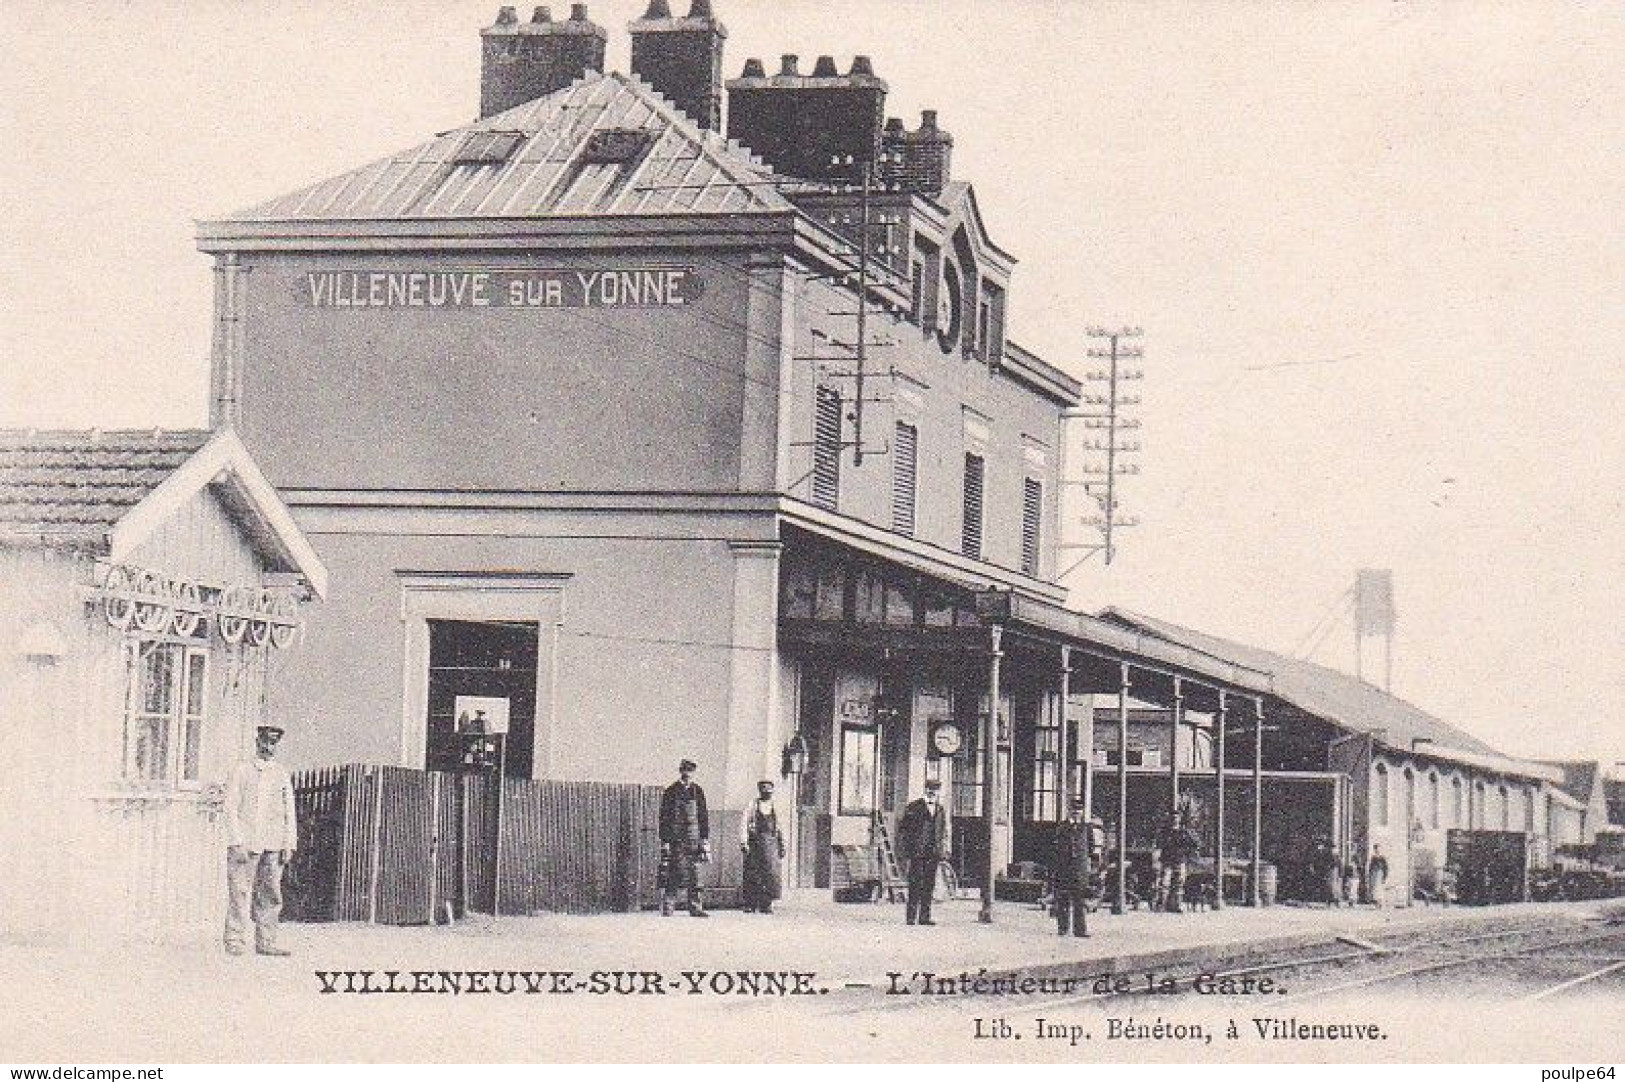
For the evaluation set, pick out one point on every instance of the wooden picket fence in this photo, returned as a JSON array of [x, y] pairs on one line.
[[393, 845]]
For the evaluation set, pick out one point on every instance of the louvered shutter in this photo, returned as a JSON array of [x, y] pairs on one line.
[[971, 535], [826, 475], [905, 464]]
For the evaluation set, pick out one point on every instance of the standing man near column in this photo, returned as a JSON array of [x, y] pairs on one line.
[[685, 840], [262, 833], [923, 843], [1072, 868]]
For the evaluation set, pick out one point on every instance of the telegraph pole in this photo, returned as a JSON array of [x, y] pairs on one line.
[[1108, 415]]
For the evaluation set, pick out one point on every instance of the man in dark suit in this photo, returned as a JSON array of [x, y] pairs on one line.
[[685, 833], [1073, 862], [922, 844]]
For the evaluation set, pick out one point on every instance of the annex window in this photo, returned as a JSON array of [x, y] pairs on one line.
[[904, 469], [1032, 521], [858, 766], [967, 774], [1046, 789], [1459, 802], [167, 707], [916, 291], [1433, 801], [826, 472], [970, 542]]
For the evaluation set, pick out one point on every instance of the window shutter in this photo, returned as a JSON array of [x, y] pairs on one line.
[[905, 465], [971, 536], [1032, 519], [826, 475]]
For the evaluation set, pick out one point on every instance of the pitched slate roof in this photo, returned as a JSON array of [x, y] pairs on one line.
[[1344, 700], [1579, 778], [540, 159], [72, 487]]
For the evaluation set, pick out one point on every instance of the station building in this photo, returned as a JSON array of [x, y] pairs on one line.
[[678, 440]]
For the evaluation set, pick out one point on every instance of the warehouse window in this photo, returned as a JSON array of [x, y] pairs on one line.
[[1032, 520], [1459, 802], [826, 472], [1433, 800], [166, 708], [1408, 820], [970, 542], [904, 468], [1379, 796]]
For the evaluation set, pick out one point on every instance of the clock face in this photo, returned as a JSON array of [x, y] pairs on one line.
[[948, 312], [946, 738]]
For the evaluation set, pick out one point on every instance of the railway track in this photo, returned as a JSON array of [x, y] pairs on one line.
[[1532, 961]]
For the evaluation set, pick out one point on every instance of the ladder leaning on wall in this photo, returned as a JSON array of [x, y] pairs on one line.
[[892, 884]]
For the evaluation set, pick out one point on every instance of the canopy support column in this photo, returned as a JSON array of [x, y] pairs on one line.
[[1120, 901], [1254, 894], [1220, 722], [990, 764]]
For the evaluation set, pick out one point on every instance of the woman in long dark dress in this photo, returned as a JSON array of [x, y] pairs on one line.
[[763, 845]]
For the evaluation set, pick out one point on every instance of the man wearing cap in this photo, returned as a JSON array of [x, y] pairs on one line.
[[685, 838], [762, 843], [922, 844], [261, 835]]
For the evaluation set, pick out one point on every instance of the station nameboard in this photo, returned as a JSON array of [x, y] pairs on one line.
[[482, 287]]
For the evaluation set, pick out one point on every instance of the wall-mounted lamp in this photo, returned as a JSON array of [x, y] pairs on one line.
[[794, 760]]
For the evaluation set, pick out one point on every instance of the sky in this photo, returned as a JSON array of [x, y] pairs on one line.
[[1378, 252]]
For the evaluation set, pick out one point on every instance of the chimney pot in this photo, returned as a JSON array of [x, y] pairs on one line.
[[700, 9], [754, 69], [928, 120], [894, 124], [787, 64], [507, 16], [542, 14], [658, 9], [862, 65], [825, 68], [578, 13]]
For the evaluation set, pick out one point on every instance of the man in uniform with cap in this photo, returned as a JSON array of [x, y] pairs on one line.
[[923, 842], [685, 838], [261, 835]]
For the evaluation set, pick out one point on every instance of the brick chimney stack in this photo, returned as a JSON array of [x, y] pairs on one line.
[[921, 160], [801, 124], [521, 62], [682, 58]]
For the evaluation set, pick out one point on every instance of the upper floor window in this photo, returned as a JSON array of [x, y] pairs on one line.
[[905, 466], [166, 708], [970, 539], [826, 472], [1032, 521]]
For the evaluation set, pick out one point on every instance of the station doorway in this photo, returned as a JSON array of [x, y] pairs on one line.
[[481, 675]]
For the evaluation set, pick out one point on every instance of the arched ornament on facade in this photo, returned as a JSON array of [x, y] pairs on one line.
[[140, 601]]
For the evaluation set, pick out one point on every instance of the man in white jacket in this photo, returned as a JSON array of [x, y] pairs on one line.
[[261, 836]]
